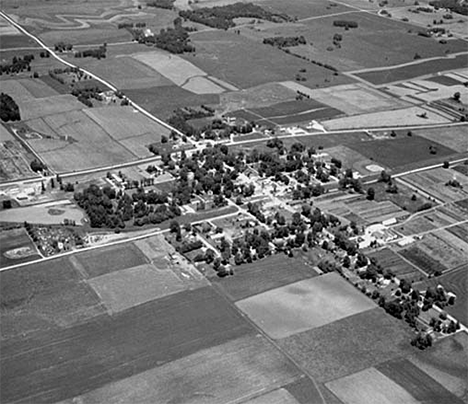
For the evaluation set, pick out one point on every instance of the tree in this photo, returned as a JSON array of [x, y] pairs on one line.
[[457, 96], [446, 164], [174, 226], [164, 139], [422, 341], [346, 262], [371, 194]]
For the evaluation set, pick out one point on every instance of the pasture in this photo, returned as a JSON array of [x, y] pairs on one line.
[[108, 349], [370, 386], [413, 70], [401, 151], [301, 306], [349, 345], [16, 247], [391, 261], [221, 374], [416, 382], [262, 275]]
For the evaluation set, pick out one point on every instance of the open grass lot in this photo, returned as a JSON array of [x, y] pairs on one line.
[[44, 296], [59, 104], [304, 305], [78, 143], [422, 260], [457, 282], [109, 349], [393, 262], [228, 56], [411, 71], [42, 214], [266, 274], [222, 374], [372, 387], [447, 363], [351, 159], [401, 151], [109, 259], [349, 345], [16, 239], [416, 382]]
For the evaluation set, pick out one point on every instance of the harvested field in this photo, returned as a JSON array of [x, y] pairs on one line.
[[105, 260], [447, 363], [16, 91], [44, 296], [106, 33], [59, 104], [129, 287], [389, 260], [422, 260], [349, 345], [389, 118], [123, 122], [414, 70], [109, 349], [202, 85], [400, 152], [42, 214], [372, 387], [220, 374], [300, 306], [262, 275], [416, 382], [16, 247]]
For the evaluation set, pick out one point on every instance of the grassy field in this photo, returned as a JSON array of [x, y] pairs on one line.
[[45, 296], [401, 151], [109, 349], [42, 215], [105, 260], [59, 104], [393, 262], [447, 363], [372, 387], [461, 231], [17, 41], [416, 382], [349, 345], [301, 306], [16, 239], [218, 375], [379, 77], [266, 274], [351, 159]]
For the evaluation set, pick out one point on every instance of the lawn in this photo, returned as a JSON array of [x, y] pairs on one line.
[[262, 275], [304, 305], [108, 349], [379, 77], [222, 374], [349, 345], [16, 239]]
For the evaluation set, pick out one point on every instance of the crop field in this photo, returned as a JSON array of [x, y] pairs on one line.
[[422, 260], [122, 123], [16, 239], [262, 275], [44, 296], [59, 104], [287, 108], [280, 396], [78, 142], [374, 212], [5, 134], [389, 260], [411, 71], [349, 345], [452, 137], [461, 231], [390, 118], [433, 182], [37, 88], [416, 382], [328, 140], [221, 374], [401, 151], [223, 55], [109, 349], [302, 9], [301, 306], [16, 41], [109, 259], [106, 33], [317, 114], [447, 363], [17, 91], [372, 387]]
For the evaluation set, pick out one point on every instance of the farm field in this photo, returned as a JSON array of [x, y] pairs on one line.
[[411, 71], [418, 383], [298, 307], [398, 152], [452, 137], [447, 363], [418, 257], [126, 344], [374, 212], [15, 160], [371, 337], [389, 260], [59, 104], [221, 374], [263, 275], [42, 214], [461, 231], [16, 239]]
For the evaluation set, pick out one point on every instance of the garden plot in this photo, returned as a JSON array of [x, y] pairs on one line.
[[373, 212], [304, 305]]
